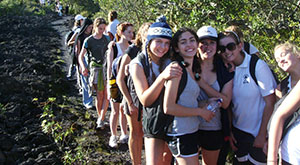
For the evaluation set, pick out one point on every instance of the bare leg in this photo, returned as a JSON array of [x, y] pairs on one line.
[[135, 142], [154, 149]]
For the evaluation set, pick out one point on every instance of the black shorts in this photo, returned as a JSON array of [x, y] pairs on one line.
[[246, 151], [184, 145], [210, 140]]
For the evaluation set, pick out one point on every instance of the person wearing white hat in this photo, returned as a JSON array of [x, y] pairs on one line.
[[216, 82]]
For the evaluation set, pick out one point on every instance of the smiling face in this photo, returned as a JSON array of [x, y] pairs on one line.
[[187, 45], [229, 55], [159, 46], [207, 48], [285, 59]]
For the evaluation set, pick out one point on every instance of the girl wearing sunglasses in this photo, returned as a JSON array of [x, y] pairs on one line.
[[253, 103], [216, 82]]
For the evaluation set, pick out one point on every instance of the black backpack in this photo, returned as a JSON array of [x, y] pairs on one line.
[[292, 118], [155, 121], [67, 38], [253, 62]]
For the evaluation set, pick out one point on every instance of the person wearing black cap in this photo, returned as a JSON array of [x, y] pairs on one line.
[[216, 82], [149, 86]]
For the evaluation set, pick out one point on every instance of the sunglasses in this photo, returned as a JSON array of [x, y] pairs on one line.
[[231, 46]]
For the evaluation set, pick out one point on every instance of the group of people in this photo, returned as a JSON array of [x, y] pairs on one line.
[[167, 80]]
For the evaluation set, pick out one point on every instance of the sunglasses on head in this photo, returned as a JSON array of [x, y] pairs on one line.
[[231, 46]]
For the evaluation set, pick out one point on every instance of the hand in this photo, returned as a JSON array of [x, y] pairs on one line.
[[84, 71], [132, 109], [207, 115], [259, 141], [230, 66], [171, 71], [232, 142]]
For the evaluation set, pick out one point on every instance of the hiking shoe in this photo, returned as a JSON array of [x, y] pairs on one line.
[[124, 139], [100, 124], [113, 141]]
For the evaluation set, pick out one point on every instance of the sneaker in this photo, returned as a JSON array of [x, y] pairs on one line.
[[100, 124], [124, 139], [105, 122], [88, 107], [113, 141]]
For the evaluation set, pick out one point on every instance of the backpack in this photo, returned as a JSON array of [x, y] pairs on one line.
[[253, 62], [155, 121], [115, 92], [67, 38]]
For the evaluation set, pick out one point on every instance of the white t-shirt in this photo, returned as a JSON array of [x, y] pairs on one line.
[[248, 96], [112, 27], [290, 146]]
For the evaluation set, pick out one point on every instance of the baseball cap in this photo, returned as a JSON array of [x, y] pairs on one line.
[[79, 17], [207, 32]]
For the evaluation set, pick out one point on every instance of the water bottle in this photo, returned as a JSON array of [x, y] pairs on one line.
[[214, 105]]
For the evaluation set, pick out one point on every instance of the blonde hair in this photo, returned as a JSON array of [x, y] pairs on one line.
[[237, 30], [289, 47]]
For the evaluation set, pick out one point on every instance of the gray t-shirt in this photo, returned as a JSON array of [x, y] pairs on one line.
[[96, 47], [215, 123], [188, 98]]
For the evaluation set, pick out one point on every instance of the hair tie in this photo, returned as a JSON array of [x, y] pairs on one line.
[[197, 76]]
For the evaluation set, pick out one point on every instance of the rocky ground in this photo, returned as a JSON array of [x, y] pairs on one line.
[[42, 120]]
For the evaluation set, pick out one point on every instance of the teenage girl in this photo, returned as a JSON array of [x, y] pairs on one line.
[[252, 103], [149, 88], [85, 31], [96, 46], [123, 37], [288, 58], [132, 107], [183, 131], [216, 82]]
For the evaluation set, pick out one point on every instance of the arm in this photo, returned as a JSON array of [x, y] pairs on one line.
[[147, 95], [72, 39], [172, 108], [225, 94], [84, 70], [288, 106], [122, 84], [261, 137]]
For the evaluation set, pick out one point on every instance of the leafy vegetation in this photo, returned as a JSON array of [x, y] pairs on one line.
[[264, 23]]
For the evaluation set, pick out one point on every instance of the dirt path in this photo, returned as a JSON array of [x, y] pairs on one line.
[[42, 120]]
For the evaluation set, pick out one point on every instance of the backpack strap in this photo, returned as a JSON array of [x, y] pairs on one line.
[[115, 51], [182, 82], [142, 58], [247, 47], [253, 62], [284, 85]]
